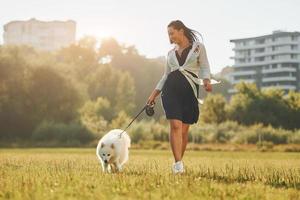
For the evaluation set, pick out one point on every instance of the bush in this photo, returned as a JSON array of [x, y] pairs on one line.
[[226, 131], [50, 133], [199, 133], [213, 109], [277, 136], [264, 145], [141, 131], [255, 133], [94, 115], [294, 138], [160, 132], [269, 107]]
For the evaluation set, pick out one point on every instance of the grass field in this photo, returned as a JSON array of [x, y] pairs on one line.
[[76, 174]]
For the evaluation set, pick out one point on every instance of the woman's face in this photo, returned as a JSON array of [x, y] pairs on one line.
[[175, 35]]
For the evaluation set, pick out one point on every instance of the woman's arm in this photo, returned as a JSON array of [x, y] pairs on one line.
[[162, 81], [160, 84], [204, 72]]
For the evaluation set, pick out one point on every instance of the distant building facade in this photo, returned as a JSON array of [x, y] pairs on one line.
[[269, 61], [48, 36]]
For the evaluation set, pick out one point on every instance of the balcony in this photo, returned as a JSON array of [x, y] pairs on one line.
[[244, 80], [268, 44], [280, 78], [276, 52], [285, 87], [248, 72], [266, 62], [281, 69]]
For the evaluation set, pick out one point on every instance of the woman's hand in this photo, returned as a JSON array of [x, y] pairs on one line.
[[207, 85], [151, 100]]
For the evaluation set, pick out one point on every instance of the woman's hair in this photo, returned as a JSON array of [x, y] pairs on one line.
[[189, 33]]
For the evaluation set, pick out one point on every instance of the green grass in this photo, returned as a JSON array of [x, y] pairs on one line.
[[76, 174]]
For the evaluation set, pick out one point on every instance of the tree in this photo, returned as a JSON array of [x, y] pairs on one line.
[[81, 58], [213, 109], [240, 103], [120, 121], [51, 96], [14, 119], [125, 94], [269, 107], [293, 102], [104, 83], [96, 114]]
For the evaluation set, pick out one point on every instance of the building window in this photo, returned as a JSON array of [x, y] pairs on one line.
[[294, 38], [242, 60], [260, 50], [273, 48], [294, 47], [260, 41], [260, 59]]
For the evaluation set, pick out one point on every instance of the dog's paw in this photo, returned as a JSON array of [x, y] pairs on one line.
[[105, 170], [119, 168]]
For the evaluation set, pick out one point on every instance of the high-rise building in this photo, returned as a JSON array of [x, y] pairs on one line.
[[42, 35], [268, 60]]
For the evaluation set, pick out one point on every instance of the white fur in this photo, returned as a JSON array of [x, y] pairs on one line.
[[119, 151]]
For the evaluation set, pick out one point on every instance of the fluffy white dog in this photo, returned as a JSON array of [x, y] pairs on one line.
[[112, 151]]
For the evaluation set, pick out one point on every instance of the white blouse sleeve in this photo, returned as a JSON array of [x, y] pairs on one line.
[[162, 81], [204, 64]]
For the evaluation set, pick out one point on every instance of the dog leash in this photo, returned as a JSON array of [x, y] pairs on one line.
[[149, 111]]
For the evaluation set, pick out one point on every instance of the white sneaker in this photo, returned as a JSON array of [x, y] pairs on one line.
[[178, 167]]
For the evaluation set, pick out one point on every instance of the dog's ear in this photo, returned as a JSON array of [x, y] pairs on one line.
[[112, 146], [102, 145]]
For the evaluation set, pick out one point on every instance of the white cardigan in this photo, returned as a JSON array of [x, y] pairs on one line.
[[196, 62]]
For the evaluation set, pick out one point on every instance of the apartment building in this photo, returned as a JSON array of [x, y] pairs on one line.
[[42, 35], [269, 61]]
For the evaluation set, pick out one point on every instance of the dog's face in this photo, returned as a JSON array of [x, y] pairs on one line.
[[106, 152]]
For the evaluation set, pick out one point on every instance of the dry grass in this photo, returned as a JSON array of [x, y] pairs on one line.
[[76, 174]]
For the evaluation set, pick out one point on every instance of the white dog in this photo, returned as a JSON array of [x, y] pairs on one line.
[[112, 151]]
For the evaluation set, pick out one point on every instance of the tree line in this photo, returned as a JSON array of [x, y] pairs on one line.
[[75, 94]]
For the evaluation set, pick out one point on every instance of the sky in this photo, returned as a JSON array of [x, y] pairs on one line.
[[144, 23]]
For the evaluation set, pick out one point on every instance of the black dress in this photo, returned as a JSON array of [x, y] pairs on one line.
[[178, 99]]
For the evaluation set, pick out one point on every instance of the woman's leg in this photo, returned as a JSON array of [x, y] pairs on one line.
[[176, 138], [185, 129]]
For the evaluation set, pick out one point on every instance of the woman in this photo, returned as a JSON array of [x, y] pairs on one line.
[[187, 66]]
